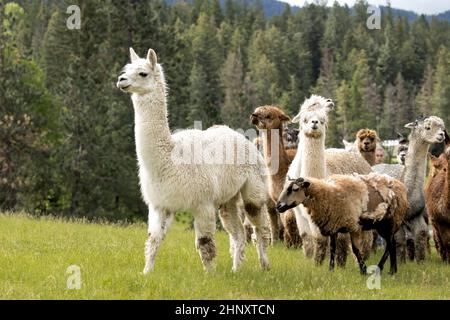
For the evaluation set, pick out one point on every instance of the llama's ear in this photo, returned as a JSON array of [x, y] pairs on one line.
[[329, 105], [284, 118], [133, 55], [410, 125], [306, 184], [296, 119], [152, 58]]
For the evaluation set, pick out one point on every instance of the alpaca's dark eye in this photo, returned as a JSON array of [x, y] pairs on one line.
[[143, 74], [428, 128]]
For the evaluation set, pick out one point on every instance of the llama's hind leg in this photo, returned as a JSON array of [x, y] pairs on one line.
[[400, 239], [205, 227], [159, 222], [254, 195], [232, 223], [261, 226]]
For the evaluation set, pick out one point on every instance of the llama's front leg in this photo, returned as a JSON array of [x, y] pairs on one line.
[[205, 227], [400, 240], [420, 234], [333, 239], [159, 222]]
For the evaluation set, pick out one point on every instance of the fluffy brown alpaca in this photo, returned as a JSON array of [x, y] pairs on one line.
[[351, 204], [278, 159], [437, 200], [367, 140]]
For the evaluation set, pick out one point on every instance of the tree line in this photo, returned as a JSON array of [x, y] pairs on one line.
[[66, 132]]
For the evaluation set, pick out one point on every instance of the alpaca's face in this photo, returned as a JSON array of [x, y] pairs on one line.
[[290, 137], [294, 193], [430, 130], [313, 124], [313, 116], [269, 117], [141, 75], [440, 163], [401, 153], [367, 140]]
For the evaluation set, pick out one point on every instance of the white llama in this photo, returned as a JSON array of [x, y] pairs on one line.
[[313, 161], [197, 182]]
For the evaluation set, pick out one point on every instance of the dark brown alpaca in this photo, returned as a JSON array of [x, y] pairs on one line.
[[367, 144], [270, 120], [437, 200]]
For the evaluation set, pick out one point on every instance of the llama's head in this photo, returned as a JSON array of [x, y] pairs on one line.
[[269, 117], [290, 137], [313, 116], [349, 146], [441, 163], [294, 193], [429, 130], [367, 140], [141, 76]]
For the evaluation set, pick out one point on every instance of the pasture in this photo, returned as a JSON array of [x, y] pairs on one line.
[[35, 255]]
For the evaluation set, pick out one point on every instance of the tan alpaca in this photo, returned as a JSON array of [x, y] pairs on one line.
[[367, 140], [270, 120], [351, 204]]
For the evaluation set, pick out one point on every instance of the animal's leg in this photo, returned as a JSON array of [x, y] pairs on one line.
[[386, 253], [333, 239], [232, 223], [258, 218], [304, 231], [274, 226], [291, 233], [342, 246], [321, 245], [356, 251], [420, 232], [366, 244], [159, 222], [393, 257], [410, 249], [400, 239], [205, 227], [254, 196]]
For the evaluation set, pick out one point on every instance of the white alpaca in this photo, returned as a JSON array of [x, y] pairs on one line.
[[188, 171], [312, 160]]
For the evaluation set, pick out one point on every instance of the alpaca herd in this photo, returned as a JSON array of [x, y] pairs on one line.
[[324, 200]]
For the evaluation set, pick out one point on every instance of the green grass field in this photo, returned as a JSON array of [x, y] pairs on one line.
[[35, 255]]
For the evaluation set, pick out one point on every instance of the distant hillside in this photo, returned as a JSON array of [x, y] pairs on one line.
[[271, 7], [274, 8]]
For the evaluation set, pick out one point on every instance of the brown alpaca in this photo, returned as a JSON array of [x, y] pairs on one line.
[[351, 204], [270, 120], [437, 200], [367, 140]]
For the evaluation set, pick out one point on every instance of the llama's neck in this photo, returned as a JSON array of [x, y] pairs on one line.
[[313, 157], [153, 139], [274, 152], [415, 165], [369, 156]]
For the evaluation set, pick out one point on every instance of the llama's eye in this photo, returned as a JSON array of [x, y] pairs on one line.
[[428, 128], [143, 74]]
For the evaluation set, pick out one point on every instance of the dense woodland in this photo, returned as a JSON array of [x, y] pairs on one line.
[[66, 132]]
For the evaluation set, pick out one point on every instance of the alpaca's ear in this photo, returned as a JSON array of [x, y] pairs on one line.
[[296, 119], [306, 184], [410, 125], [329, 105], [152, 58], [284, 118], [133, 55]]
